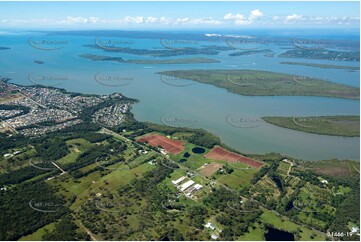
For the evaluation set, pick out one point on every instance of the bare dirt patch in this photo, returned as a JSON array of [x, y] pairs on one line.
[[155, 140], [333, 171], [218, 153], [210, 169]]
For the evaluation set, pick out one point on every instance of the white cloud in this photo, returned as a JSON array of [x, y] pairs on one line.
[[315, 20], [151, 19], [25, 21], [93, 20], [208, 21], [165, 20], [134, 20], [76, 20], [230, 16], [240, 19], [255, 17], [293, 17], [256, 14], [181, 20]]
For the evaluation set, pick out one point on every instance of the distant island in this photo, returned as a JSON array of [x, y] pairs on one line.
[[347, 126], [272, 54], [176, 61], [322, 54], [101, 58], [352, 68], [169, 61], [265, 83], [40, 62], [164, 52], [251, 52]]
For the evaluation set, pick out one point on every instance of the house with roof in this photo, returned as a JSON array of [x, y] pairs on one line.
[[209, 225], [186, 185]]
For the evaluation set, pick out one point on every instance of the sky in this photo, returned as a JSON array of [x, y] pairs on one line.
[[177, 15]]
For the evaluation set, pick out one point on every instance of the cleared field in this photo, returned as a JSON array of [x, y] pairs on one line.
[[335, 168], [155, 140], [238, 179], [334, 171], [10, 98], [283, 168], [190, 159], [38, 235], [255, 233], [210, 169], [76, 148], [218, 153]]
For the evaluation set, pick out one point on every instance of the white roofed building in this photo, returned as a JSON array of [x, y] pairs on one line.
[[209, 225], [198, 186], [186, 185], [179, 180], [214, 236]]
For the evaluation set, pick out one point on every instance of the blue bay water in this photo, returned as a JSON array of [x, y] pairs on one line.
[[209, 106]]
